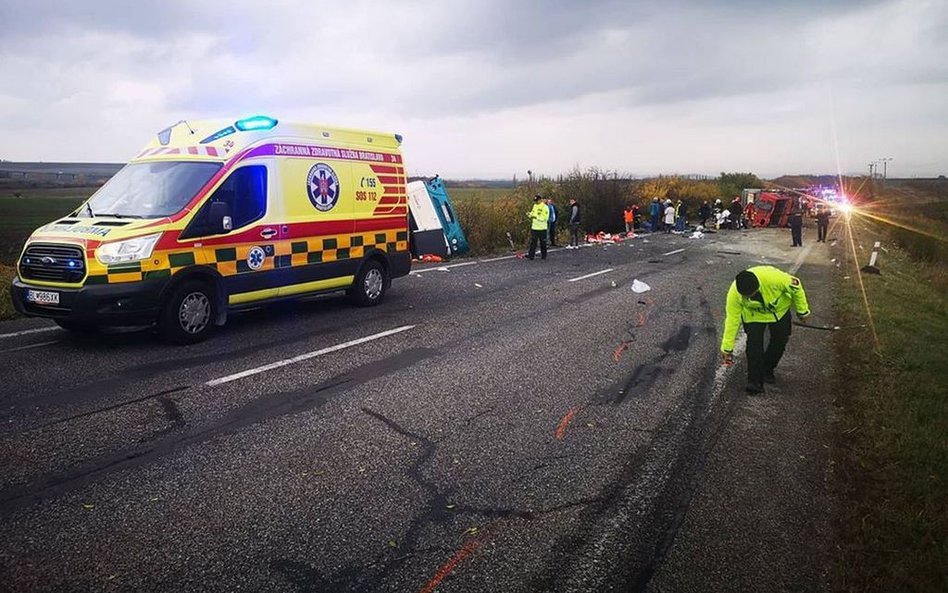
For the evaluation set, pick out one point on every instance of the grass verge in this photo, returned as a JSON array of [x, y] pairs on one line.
[[6, 305], [891, 442]]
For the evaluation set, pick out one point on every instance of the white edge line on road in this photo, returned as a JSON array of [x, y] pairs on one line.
[[445, 268], [590, 275], [29, 331], [307, 356], [30, 346], [673, 252], [497, 258]]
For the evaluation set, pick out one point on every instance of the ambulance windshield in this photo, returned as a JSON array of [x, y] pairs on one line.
[[149, 190]]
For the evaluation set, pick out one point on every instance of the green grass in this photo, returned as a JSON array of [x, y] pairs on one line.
[[6, 305], [891, 442], [21, 216]]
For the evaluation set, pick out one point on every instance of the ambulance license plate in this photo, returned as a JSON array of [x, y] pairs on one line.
[[42, 297]]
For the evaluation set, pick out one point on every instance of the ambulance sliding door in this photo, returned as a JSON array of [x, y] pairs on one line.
[[319, 198]]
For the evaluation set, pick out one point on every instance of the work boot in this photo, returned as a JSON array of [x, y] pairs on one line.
[[754, 388], [769, 377]]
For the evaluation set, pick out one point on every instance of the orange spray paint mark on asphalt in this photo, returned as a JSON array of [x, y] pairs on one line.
[[564, 423], [617, 353], [641, 319], [449, 566]]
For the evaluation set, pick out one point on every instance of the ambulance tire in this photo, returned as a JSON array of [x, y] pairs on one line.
[[189, 313], [370, 284]]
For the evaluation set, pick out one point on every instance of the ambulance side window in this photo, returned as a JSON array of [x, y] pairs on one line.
[[244, 191]]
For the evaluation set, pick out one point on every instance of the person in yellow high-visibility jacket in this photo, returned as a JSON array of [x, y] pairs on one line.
[[539, 225], [760, 298]]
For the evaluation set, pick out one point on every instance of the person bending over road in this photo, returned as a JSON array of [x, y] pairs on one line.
[[760, 298]]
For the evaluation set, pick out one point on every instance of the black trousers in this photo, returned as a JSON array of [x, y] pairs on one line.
[[821, 229], [552, 234], [574, 234], [796, 231], [759, 359], [534, 237]]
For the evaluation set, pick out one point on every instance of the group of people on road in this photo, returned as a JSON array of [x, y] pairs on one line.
[[759, 298], [667, 216]]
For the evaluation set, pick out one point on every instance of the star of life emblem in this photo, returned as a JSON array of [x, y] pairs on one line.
[[322, 185], [255, 257]]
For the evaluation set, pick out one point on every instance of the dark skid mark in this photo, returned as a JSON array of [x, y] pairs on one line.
[[172, 413], [589, 295], [644, 376], [655, 261], [678, 342], [731, 252], [100, 388], [113, 407], [259, 410]]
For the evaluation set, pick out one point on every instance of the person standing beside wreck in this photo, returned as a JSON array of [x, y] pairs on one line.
[[539, 226], [574, 221], [760, 298]]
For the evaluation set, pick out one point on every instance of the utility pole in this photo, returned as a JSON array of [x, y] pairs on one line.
[[885, 162], [871, 165]]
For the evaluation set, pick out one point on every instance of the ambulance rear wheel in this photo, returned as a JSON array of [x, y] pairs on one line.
[[370, 284], [189, 313]]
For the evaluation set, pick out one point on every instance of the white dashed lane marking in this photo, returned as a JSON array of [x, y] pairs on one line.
[[591, 275], [307, 356]]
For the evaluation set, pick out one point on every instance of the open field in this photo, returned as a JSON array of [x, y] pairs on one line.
[[476, 193], [20, 216]]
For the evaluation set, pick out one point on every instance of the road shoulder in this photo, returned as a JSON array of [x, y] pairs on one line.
[[758, 519]]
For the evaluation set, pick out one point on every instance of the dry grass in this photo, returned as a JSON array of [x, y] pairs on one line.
[[891, 446]]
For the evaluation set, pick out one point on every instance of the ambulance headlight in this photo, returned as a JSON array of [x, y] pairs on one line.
[[128, 250]]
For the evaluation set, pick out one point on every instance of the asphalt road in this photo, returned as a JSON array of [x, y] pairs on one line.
[[494, 425]]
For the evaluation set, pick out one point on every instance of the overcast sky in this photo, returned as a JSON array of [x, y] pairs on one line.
[[490, 89]]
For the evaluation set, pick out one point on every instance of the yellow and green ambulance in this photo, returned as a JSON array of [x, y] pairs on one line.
[[217, 215]]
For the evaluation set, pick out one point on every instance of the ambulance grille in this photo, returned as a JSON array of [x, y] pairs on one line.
[[53, 263]]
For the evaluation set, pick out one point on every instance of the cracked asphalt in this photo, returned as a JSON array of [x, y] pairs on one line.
[[526, 429]]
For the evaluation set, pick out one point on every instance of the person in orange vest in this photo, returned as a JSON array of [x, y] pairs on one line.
[[629, 217]]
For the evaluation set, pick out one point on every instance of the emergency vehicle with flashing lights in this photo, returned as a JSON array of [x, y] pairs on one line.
[[217, 215]]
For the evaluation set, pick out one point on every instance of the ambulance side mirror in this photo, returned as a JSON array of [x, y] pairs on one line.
[[219, 217]]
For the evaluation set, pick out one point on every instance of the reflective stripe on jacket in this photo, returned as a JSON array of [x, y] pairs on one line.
[[779, 291]]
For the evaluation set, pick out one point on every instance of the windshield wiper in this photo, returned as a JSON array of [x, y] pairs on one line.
[[116, 215], [89, 208]]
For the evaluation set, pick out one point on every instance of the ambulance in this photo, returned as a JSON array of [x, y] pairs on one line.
[[214, 216]]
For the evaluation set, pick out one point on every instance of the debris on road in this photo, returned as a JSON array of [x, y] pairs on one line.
[[640, 287]]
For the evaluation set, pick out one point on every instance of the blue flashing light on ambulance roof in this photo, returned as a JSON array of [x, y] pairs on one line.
[[219, 134], [257, 122]]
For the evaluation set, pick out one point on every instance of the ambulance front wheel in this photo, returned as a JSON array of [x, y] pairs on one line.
[[189, 313], [370, 284]]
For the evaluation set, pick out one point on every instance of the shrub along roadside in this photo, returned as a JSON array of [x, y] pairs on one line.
[[891, 441]]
